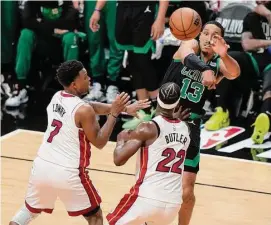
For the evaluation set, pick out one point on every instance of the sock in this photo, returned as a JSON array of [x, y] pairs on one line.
[[266, 107]]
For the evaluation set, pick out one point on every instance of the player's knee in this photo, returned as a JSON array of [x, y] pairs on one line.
[[23, 217], [95, 216], [188, 194]]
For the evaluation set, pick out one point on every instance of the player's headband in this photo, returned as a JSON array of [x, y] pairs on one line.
[[167, 106]]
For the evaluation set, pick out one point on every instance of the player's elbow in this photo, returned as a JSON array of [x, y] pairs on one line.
[[118, 161], [234, 74], [100, 146]]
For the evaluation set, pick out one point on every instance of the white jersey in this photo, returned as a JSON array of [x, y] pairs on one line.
[[162, 163], [64, 143]]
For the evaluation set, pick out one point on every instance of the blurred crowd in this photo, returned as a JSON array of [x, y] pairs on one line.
[[36, 36]]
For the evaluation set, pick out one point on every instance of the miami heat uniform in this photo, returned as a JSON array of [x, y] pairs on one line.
[[59, 170], [156, 196]]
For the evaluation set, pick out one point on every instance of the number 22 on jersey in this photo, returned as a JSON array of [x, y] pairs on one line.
[[171, 155], [57, 125]]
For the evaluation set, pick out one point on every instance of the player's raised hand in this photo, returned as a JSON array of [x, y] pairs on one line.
[[219, 45], [181, 114], [133, 108], [209, 79], [120, 103]]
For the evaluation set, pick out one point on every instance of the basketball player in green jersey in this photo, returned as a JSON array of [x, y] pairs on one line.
[[197, 67]]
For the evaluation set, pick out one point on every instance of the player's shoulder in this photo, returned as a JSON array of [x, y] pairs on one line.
[[85, 110], [147, 129]]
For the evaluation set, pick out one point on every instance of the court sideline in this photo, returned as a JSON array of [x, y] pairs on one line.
[[229, 191]]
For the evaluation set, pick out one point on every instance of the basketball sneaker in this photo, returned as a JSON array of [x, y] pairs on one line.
[[218, 120], [95, 93], [111, 93], [261, 127], [19, 97]]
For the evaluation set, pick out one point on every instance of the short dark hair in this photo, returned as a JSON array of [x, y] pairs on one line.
[[68, 71], [217, 24], [169, 93]]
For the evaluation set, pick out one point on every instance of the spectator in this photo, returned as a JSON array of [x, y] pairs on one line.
[[9, 21], [137, 29], [256, 39], [97, 61], [43, 21]]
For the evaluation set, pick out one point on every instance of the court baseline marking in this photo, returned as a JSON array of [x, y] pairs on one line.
[[15, 132]]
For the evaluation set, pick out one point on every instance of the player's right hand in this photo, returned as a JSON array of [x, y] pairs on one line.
[[209, 79], [94, 21], [182, 114], [119, 104]]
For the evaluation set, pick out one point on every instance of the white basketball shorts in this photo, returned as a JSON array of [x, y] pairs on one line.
[[136, 210], [73, 186]]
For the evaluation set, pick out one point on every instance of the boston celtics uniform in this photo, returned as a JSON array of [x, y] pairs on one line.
[[193, 96]]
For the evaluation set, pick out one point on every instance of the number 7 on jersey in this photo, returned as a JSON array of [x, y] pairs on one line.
[[57, 124]]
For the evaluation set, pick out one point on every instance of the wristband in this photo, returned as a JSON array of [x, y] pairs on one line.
[[98, 10], [193, 62], [113, 115]]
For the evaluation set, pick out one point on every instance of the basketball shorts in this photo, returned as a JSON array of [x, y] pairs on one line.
[[191, 163], [133, 30], [136, 210], [73, 187]]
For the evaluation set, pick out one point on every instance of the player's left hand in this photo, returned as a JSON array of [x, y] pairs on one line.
[[157, 29], [133, 108], [219, 45]]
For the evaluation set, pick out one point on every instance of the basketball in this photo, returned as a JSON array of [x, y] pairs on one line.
[[185, 24]]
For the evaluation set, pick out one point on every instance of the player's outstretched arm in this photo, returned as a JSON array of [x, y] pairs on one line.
[[186, 48], [85, 117], [104, 109], [228, 65], [97, 136], [128, 142]]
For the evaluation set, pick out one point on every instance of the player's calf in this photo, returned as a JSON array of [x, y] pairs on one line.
[[23, 217], [95, 217], [189, 198]]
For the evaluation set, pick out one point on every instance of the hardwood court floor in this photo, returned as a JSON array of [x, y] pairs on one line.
[[229, 192]]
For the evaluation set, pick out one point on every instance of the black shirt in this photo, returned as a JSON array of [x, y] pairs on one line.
[[259, 27], [66, 16], [193, 92]]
